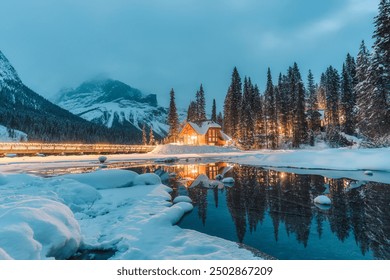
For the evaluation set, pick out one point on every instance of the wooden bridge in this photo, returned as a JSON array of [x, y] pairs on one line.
[[27, 148]]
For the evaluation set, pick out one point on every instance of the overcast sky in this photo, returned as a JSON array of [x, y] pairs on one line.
[[155, 45]]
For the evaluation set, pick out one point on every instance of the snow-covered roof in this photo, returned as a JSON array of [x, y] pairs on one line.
[[204, 126]]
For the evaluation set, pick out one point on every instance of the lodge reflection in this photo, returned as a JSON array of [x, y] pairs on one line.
[[362, 213], [359, 212]]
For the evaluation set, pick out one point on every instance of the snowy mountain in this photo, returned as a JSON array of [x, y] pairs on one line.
[[115, 104], [8, 74], [24, 110]]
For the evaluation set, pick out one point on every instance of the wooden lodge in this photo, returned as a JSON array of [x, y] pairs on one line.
[[205, 133]]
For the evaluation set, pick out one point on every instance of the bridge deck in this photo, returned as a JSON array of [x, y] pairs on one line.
[[55, 149]]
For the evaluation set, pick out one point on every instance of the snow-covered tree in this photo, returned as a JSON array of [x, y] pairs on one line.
[[231, 106], [348, 96], [247, 116], [173, 118], [201, 105], [270, 121]]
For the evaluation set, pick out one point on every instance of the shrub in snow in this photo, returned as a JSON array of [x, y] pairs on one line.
[[102, 159], [219, 177], [368, 173], [322, 199], [147, 179], [182, 198]]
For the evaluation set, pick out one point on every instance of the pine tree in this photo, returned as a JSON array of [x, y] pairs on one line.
[[151, 136], [314, 117], [311, 92], [296, 100], [192, 114], [214, 112], [201, 105], [348, 97], [231, 106], [173, 118], [379, 77], [283, 107], [247, 118], [144, 139], [363, 89], [220, 119], [270, 114], [259, 131], [332, 92]]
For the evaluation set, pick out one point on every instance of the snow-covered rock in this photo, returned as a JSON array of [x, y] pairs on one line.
[[182, 198], [322, 199], [228, 180], [368, 173], [102, 159], [147, 179], [105, 179]]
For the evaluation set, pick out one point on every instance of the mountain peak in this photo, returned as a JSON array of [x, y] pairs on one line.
[[7, 71], [106, 90]]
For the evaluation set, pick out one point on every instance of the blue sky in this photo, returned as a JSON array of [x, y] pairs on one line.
[[156, 45]]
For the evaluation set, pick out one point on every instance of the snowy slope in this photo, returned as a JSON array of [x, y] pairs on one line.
[[115, 104], [7, 72], [15, 136]]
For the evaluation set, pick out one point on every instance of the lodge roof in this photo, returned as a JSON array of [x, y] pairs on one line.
[[203, 127]]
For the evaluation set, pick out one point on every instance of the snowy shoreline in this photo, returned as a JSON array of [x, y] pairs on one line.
[[118, 210], [326, 159]]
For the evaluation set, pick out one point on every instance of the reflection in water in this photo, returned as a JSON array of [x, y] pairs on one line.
[[282, 203], [274, 211]]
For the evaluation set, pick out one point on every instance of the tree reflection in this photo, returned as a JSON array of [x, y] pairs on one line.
[[357, 212]]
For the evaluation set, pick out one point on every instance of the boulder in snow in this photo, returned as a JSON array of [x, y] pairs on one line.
[[102, 159], [323, 199], [368, 173]]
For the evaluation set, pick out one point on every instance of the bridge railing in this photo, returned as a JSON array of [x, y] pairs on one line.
[[28, 148]]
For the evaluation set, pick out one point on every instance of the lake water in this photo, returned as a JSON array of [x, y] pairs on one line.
[[274, 211]]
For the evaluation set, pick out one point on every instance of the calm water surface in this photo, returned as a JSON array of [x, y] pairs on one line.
[[274, 211]]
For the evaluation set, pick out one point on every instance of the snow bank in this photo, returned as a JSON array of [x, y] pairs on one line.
[[182, 198], [105, 179], [336, 159], [186, 149], [119, 210], [37, 228], [147, 179]]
